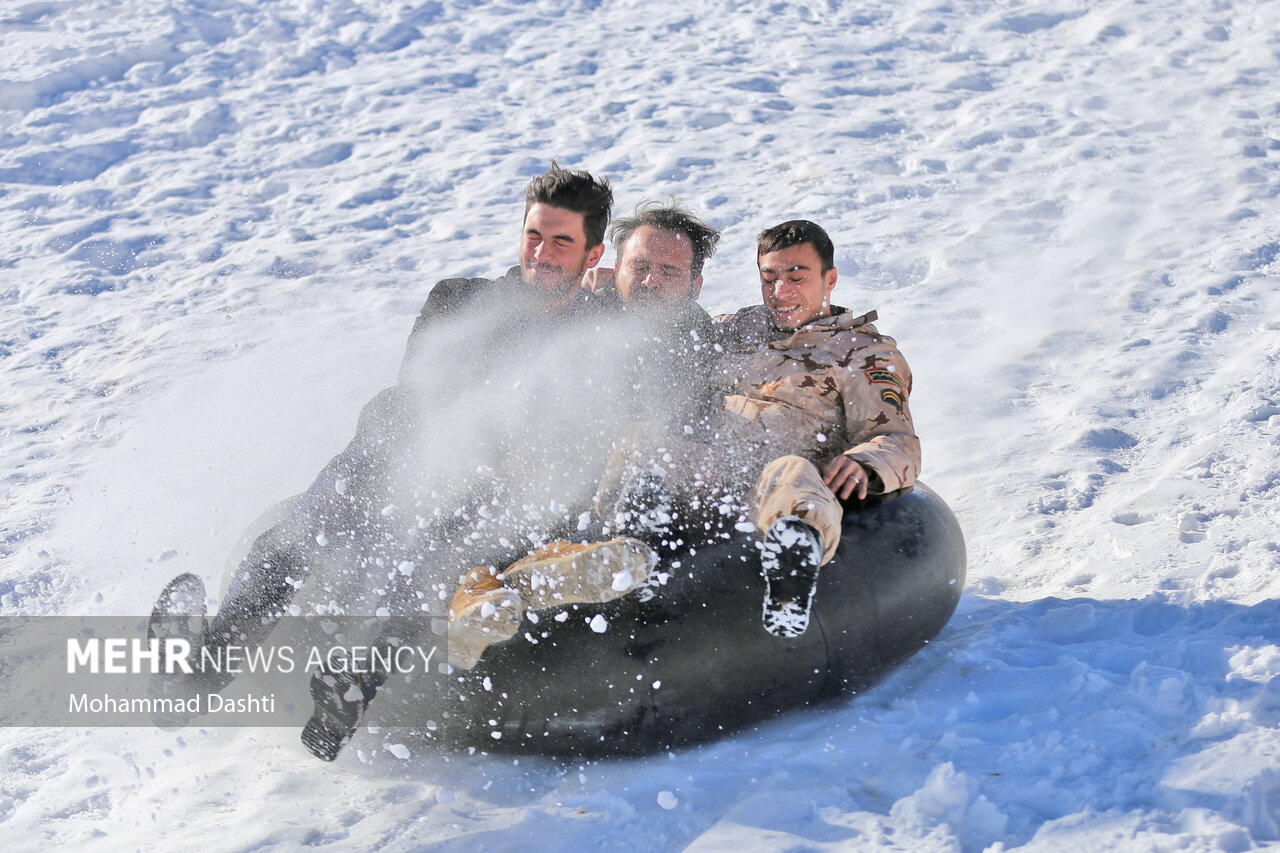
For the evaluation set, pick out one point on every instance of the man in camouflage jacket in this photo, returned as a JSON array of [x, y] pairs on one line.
[[815, 411], [823, 395], [831, 392]]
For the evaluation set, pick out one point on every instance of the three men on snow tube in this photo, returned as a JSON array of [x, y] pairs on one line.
[[565, 427]]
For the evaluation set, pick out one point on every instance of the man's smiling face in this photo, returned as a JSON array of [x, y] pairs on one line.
[[554, 251], [794, 287]]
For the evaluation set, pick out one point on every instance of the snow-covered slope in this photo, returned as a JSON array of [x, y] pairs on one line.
[[219, 218]]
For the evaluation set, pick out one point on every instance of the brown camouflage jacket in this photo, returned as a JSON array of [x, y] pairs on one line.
[[834, 386]]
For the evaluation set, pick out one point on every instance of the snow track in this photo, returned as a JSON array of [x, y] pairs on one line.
[[220, 217]]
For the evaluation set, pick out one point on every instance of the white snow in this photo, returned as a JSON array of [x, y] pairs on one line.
[[220, 218]]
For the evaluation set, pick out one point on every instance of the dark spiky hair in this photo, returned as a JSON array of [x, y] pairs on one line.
[[794, 232], [575, 190]]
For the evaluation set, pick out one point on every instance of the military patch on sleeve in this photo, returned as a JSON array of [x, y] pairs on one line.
[[892, 397], [881, 376]]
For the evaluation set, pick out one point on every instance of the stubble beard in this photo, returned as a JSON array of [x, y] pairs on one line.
[[556, 287]]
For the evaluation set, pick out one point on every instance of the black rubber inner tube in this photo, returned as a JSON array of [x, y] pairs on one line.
[[693, 661]]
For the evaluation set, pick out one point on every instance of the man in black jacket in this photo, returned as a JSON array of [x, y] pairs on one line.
[[342, 518]]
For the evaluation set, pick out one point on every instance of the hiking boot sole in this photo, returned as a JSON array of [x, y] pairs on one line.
[[790, 559], [488, 618], [582, 574]]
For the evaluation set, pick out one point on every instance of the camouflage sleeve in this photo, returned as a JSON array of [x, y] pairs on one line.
[[881, 434]]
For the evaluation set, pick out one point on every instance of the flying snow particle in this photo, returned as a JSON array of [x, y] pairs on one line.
[[322, 540], [340, 486], [399, 750], [599, 624], [667, 800]]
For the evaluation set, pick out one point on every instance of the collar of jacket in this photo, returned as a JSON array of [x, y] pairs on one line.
[[534, 304], [840, 318]]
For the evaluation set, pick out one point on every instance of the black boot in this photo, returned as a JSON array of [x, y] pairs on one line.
[[790, 558], [341, 699], [179, 615]]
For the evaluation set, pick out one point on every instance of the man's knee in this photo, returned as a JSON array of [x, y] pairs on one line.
[[792, 487], [790, 469]]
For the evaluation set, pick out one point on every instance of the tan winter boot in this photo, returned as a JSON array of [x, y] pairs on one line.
[[571, 573], [483, 611]]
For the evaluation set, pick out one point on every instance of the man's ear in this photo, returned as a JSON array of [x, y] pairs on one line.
[[830, 281], [595, 254], [695, 288]]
